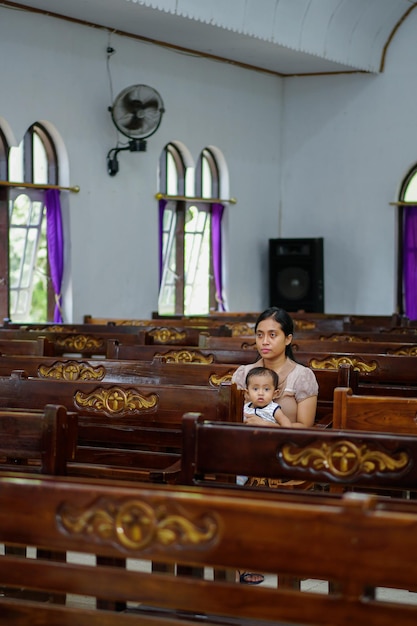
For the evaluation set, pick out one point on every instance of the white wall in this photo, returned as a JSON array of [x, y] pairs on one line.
[[308, 156], [349, 140], [55, 71]]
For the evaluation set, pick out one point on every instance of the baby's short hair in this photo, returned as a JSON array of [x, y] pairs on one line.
[[263, 371]]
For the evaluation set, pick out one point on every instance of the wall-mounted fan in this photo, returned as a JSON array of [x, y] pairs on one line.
[[137, 113]]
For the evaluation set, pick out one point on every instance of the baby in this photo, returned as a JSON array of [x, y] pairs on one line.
[[261, 388]]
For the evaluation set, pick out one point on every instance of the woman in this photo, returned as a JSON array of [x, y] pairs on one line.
[[298, 388]]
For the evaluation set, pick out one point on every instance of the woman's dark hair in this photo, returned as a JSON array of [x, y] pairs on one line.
[[284, 319]]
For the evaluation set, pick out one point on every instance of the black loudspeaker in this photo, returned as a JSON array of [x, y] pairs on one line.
[[296, 274]]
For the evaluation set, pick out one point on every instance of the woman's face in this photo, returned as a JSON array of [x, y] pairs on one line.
[[270, 339]]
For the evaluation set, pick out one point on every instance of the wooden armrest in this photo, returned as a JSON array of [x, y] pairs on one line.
[[168, 475]]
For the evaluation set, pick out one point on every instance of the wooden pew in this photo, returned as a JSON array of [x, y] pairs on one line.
[[124, 431], [91, 339], [86, 344], [38, 346], [220, 451], [377, 374], [375, 541], [173, 354], [326, 379], [384, 344], [374, 413], [312, 343], [118, 370], [39, 442], [163, 373]]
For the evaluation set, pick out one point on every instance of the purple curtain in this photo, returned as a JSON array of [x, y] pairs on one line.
[[161, 208], [55, 240], [410, 262], [216, 238]]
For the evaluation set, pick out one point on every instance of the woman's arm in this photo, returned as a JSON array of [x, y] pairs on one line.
[[306, 413]]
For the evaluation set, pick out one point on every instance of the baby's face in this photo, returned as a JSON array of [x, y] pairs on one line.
[[261, 391]]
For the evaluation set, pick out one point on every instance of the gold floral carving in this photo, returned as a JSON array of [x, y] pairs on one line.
[[57, 328], [248, 346], [216, 380], [334, 362], [167, 335], [340, 337], [80, 342], [404, 351], [344, 458], [137, 525], [71, 370], [304, 325], [115, 401], [185, 356], [240, 329]]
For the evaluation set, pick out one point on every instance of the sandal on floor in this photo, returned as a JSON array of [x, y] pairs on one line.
[[246, 577]]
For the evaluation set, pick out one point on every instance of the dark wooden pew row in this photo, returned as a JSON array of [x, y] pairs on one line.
[[36, 441], [90, 339], [117, 370], [340, 457], [178, 354], [41, 440], [394, 415], [163, 373], [296, 459], [377, 374], [67, 343], [124, 431], [310, 343], [301, 319], [38, 346], [382, 343], [375, 541]]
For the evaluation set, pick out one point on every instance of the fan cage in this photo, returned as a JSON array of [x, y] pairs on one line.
[[137, 111]]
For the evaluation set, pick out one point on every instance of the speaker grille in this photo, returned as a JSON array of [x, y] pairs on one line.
[[296, 274], [293, 283]]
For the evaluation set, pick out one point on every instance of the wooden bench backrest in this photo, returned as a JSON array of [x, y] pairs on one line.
[[339, 457], [37, 346], [84, 343], [374, 413], [356, 541], [45, 439], [327, 381], [125, 431], [312, 344], [373, 369], [319, 346], [101, 402], [117, 370], [158, 372], [184, 354]]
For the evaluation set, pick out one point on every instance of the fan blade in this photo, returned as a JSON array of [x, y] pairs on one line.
[[151, 104], [132, 105], [134, 123]]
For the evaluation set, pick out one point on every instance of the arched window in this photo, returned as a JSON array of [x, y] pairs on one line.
[[4, 229], [190, 234], [407, 246], [31, 292]]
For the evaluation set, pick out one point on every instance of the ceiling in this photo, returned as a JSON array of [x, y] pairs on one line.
[[286, 37]]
